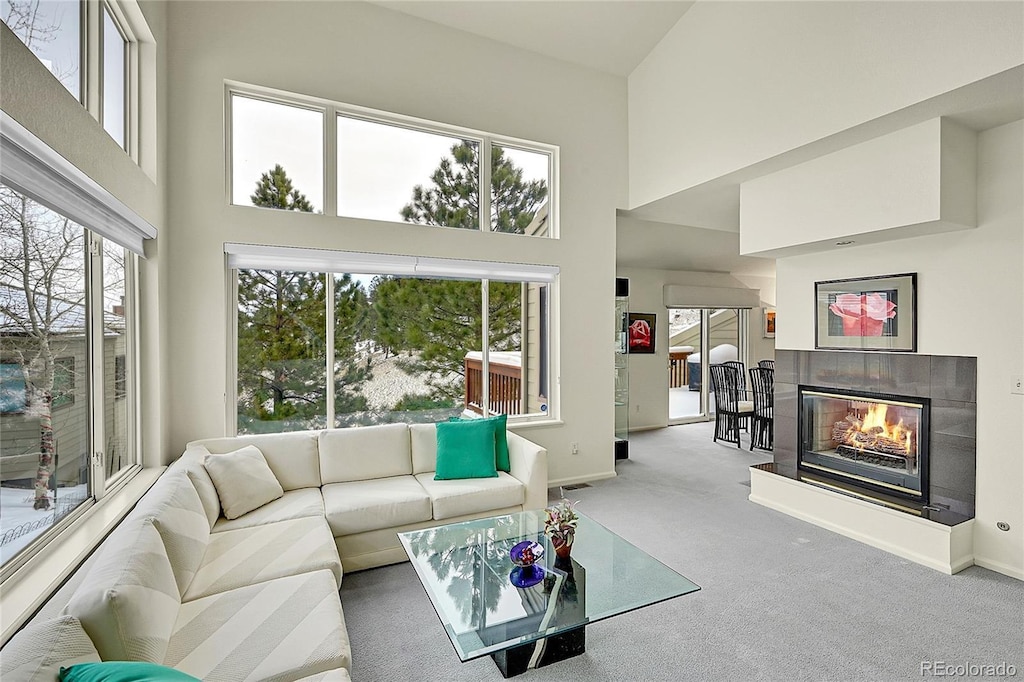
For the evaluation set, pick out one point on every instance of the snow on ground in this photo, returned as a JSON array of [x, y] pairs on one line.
[[16, 510], [390, 383]]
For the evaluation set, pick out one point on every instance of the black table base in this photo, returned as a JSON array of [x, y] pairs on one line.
[[515, 661]]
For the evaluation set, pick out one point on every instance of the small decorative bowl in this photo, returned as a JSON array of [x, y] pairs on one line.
[[526, 553]]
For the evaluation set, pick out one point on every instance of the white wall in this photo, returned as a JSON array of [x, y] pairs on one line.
[[734, 83], [915, 181], [648, 374], [362, 54], [970, 302]]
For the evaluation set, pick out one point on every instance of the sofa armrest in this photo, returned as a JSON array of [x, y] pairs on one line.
[[529, 463]]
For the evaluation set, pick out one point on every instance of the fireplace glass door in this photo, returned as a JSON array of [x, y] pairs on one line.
[[877, 441]]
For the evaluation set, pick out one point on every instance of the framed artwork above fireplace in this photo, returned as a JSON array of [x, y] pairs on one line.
[[870, 313]]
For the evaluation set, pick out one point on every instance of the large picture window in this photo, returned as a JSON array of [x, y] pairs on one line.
[[378, 166], [411, 340], [53, 293]]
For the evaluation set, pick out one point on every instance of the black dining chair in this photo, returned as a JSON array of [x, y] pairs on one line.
[[762, 421], [741, 370], [767, 364], [731, 409]]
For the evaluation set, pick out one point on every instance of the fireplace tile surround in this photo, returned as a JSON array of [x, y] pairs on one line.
[[949, 382]]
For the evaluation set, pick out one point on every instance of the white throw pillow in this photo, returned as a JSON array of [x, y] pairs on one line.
[[39, 651], [243, 480]]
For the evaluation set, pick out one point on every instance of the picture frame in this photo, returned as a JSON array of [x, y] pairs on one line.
[[768, 323], [869, 313], [640, 333]]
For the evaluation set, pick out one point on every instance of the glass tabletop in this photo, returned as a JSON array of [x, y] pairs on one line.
[[469, 577]]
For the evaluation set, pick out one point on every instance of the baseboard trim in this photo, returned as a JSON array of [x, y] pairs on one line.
[[999, 567], [575, 480]]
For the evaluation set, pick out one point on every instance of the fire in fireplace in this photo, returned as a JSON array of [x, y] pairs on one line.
[[873, 440]]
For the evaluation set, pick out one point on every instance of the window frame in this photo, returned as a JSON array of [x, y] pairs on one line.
[[107, 9], [333, 109], [128, 21], [95, 378]]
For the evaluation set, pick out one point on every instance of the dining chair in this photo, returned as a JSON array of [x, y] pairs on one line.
[[762, 421], [731, 409]]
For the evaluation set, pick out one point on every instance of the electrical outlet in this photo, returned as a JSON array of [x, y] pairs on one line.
[[575, 448], [1017, 386]]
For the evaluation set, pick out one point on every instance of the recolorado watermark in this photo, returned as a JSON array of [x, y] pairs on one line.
[[947, 669]]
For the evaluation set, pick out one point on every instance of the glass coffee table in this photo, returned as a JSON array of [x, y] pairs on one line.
[[471, 581]]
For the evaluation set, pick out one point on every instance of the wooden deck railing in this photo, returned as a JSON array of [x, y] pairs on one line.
[[678, 371], [504, 393]]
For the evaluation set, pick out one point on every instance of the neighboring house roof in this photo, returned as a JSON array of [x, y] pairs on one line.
[[67, 317]]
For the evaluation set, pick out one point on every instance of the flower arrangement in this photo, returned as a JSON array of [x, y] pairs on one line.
[[560, 526]]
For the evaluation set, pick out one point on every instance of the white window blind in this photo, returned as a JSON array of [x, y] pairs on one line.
[[37, 171], [267, 257]]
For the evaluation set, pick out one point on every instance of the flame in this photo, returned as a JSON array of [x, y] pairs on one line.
[[876, 425]]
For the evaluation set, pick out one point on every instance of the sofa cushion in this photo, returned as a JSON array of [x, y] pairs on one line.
[[123, 671], [280, 629], [359, 506], [38, 651], [177, 513], [294, 504], [363, 453], [129, 599], [191, 462], [471, 496], [246, 556], [292, 456], [243, 479], [465, 449]]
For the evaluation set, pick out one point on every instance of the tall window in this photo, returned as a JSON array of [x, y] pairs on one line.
[[53, 295], [115, 52], [397, 347], [86, 46], [379, 166]]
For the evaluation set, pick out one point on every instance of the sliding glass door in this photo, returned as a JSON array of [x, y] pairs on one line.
[[722, 332]]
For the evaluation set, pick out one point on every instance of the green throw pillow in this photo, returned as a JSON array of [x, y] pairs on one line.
[[500, 424], [465, 449], [123, 671]]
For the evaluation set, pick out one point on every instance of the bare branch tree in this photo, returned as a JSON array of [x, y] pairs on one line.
[[42, 306]]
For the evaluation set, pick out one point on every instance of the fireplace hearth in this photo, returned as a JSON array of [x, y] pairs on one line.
[[879, 441], [857, 454]]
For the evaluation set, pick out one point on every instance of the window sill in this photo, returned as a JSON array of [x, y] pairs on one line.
[[527, 424], [32, 584]]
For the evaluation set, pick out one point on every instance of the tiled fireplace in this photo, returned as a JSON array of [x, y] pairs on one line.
[[879, 447], [947, 384]]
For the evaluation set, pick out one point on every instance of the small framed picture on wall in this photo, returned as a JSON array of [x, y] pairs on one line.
[[768, 323], [640, 332]]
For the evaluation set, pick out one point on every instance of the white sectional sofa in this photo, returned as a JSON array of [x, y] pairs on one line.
[[256, 597]]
